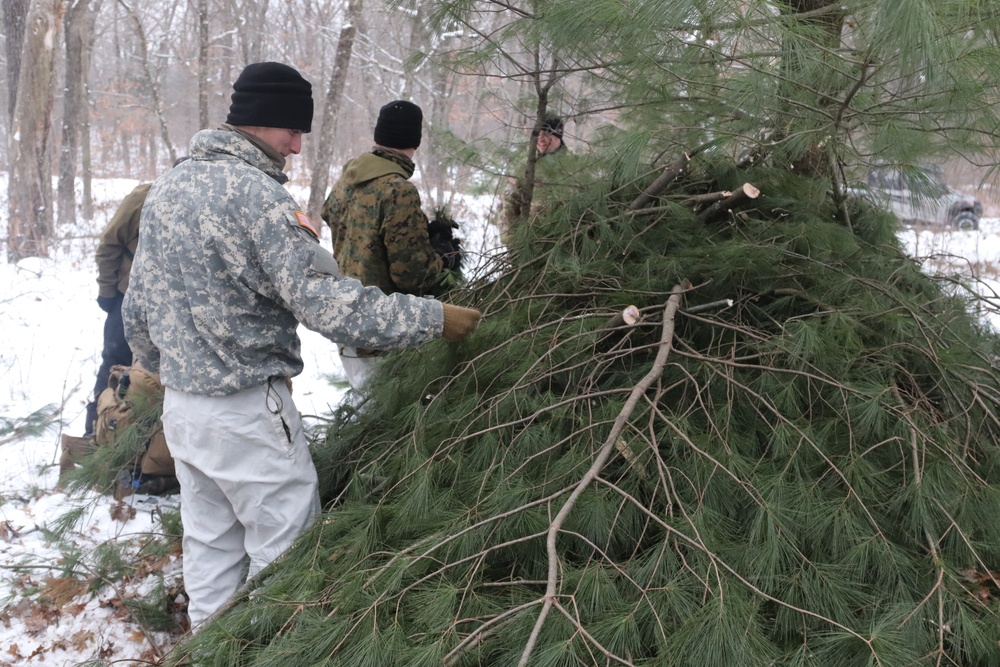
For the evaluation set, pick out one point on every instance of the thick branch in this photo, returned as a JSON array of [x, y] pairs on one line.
[[666, 344], [745, 193], [708, 197], [669, 175]]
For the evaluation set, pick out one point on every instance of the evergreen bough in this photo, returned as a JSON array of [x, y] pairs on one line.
[[802, 477]]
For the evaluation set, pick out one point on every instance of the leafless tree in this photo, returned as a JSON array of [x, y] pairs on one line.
[[79, 36], [203, 50], [15, 13], [29, 226], [331, 109]]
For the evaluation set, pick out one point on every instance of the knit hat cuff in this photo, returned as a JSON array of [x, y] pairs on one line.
[[282, 110]]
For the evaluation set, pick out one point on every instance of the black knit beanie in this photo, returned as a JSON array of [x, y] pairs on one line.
[[553, 125], [271, 95], [399, 125]]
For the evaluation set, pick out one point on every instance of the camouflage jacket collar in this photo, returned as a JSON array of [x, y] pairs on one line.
[[211, 144], [402, 161], [369, 166]]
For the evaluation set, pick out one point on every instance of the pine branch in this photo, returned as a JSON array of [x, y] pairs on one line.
[[589, 637], [551, 592], [745, 193], [669, 175], [35, 424], [739, 577], [483, 631]]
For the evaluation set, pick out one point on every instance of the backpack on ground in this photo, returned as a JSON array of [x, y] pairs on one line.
[[128, 414]]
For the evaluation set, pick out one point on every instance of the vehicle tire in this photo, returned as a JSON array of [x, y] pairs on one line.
[[967, 221]]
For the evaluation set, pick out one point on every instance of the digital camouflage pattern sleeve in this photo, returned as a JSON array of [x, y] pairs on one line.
[[228, 267]]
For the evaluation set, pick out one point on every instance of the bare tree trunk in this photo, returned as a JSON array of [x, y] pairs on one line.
[[434, 167], [544, 80], [86, 172], [202, 64], [126, 153], [78, 25], [331, 110], [30, 186], [154, 89], [15, 13], [251, 17], [416, 86], [430, 84]]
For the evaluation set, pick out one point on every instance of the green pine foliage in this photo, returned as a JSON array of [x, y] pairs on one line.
[[38, 422], [787, 460], [802, 477]]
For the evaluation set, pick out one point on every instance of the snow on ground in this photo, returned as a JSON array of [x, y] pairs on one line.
[[50, 340], [971, 258]]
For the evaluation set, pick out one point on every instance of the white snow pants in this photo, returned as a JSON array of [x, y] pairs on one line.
[[248, 486], [357, 369]]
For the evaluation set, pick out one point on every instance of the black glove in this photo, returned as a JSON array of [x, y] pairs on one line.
[[108, 303], [450, 253], [444, 242]]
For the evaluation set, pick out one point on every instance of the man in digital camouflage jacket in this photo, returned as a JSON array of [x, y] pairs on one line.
[[227, 267]]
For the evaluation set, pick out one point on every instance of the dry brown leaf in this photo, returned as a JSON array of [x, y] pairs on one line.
[[75, 609], [150, 565], [81, 639], [987, 584], [7, 531], [41, 617], [122, 512]]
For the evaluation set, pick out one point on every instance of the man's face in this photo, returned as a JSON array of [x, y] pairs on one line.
[[287, 142], [547, 143]]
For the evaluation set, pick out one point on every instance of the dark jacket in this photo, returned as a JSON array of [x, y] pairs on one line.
[[379, 230]]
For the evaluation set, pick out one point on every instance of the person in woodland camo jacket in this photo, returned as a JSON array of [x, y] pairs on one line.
[[549, 152], [380, 233], [226, 269]]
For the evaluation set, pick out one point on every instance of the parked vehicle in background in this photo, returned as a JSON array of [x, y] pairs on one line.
[[921, 196]]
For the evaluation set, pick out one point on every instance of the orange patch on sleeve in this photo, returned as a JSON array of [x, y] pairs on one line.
[[304, 221]]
